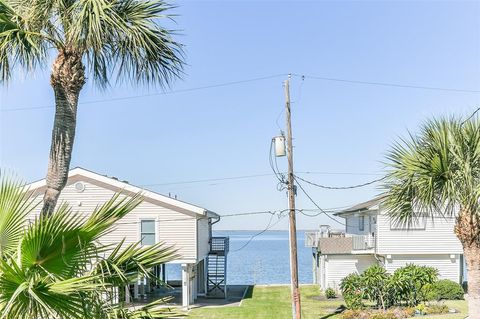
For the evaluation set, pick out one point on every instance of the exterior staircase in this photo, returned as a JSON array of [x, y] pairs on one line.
[[217, 267]]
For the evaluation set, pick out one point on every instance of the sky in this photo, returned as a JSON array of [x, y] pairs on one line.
[[203, 131]]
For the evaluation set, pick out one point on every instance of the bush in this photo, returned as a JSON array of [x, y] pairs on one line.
[[375, 284], [445, 289], [394, 313], [407, 285], [330, 293], [352, 291], [353, 300], [436, 309], [431, 309], [355, 314]]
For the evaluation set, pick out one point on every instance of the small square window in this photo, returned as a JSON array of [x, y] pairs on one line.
[[147, 232]]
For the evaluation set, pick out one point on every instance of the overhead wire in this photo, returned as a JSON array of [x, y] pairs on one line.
[[269, 226], [316, 205], [341, 187], [205, 87], [303, 76], [388, 84]]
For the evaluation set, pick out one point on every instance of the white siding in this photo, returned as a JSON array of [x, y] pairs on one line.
[[174, 228], [339, 266], [203, 245], [437, 238], [448, 268]]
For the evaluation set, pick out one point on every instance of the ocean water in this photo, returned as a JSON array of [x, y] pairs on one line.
[[264, 259]]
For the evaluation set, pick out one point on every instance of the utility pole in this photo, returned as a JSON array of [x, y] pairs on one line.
[[296, 312]]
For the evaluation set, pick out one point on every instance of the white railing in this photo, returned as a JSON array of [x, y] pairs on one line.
[[363, 242], [311, 238], [359, 242]]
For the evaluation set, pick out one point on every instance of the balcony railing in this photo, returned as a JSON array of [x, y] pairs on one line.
[[219, 245], [311, 238], [339, 243], [363, 242]]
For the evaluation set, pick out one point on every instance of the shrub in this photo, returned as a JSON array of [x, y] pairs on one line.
[[444, 289], [351, 284], [375, 283], [353, 300], [355, 314], [352, 291], [394, 313], [435, 309], [330, 293], [409, 283]]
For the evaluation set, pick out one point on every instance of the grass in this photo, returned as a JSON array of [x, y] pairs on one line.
[[264, 302]]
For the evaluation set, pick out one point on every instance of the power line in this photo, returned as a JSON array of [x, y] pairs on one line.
[[316, 205], [398, 85], [239, 177], [247, 81], [151, 94], [269, 225], [209, 180], [341, 187], [339, 173]]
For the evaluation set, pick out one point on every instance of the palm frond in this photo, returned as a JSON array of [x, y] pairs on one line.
[[15, 206], [22, 39], [152, 310], [125, 264], [434, 172], [104, 217], [122, 38]]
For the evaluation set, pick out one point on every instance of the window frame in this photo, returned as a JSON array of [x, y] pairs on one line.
[[154, 233], [361, 223]]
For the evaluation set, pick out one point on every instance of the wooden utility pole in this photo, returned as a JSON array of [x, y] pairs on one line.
[[296, 312]]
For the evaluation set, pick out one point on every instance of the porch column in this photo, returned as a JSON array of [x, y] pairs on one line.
[[128, 298], [185, 285], [135, 290]]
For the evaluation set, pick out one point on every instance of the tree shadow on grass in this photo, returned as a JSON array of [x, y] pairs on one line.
[[336, 312]]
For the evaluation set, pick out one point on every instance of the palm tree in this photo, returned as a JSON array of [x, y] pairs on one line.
[[56, 268], [99, 38], [437, 172]]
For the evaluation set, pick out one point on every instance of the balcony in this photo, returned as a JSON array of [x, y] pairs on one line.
[[219, 245], [339, 243], [311, 238]]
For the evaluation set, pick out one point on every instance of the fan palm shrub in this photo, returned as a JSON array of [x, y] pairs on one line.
[[97, 39], [437, 173], [55, 267]]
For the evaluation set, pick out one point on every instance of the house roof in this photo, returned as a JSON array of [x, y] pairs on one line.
[[362, 206], [124, 187]]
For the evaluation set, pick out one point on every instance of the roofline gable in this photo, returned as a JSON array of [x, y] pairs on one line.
[[129, 189]]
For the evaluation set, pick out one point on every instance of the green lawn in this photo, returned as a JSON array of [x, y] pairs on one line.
[[274, 302]]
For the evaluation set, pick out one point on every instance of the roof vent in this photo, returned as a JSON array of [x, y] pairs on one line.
[[79, 187]]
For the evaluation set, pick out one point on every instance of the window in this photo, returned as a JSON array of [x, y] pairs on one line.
[[147, 232], [361, 223]]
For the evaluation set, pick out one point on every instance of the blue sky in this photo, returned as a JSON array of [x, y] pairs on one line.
[[226, 131]]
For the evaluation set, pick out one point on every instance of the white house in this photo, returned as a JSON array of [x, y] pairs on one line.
[[372, 237], [158, 218]]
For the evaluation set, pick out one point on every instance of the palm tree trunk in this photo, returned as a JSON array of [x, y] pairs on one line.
[[467, 230], [67, 80]]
